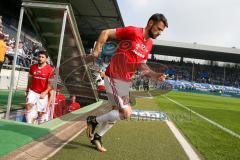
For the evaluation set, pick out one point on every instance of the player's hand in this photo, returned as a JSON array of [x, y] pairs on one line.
[[26, 93], [48, 108], [43, 94], [91, 57], [161, 77]]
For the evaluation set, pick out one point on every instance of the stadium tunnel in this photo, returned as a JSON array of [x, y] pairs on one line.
[[85, 21]]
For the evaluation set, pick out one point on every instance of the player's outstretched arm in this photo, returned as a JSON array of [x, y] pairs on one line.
[[104, 36], [146, 71]]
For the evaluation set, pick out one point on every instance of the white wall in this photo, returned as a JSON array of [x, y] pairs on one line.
[[21, 78]]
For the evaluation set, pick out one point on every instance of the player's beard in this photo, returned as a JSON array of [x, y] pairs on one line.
[[41, 63], [150, 33]]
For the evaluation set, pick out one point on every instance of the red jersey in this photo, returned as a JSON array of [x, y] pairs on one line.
[[101, 88], [60, 98], [40, 77], [74, 106], [132, 50], [60, 104]]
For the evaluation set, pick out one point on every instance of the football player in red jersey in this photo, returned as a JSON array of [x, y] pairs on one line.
[[132, 53], [74, 105], [60, 103], [38, 88]]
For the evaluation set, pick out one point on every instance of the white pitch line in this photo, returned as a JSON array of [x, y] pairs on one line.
[[192, 155], [205, 118]]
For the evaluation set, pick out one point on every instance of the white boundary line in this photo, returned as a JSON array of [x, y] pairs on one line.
[[192, 155], [63, 144], [205, 118]]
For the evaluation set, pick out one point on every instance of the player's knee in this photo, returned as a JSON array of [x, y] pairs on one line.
[[40, 114], [126, 113], [128, 116], [29, 106]]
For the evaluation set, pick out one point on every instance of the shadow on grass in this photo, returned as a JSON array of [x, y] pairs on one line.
[[76, 145]]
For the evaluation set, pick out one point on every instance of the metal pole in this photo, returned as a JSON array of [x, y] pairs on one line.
[[14, 64], [224, 75], [79, 45], [192, 72], [59, 59]]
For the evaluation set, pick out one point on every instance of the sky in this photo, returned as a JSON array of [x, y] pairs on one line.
[[209, 22]]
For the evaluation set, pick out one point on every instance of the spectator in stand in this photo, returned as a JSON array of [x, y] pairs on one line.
[[10, 53], [146, 84], [1, 20], [29, 57], [3, 50], [74, 105], [1, 29], [12, 41], [21, 58], [6, 38], [138, 83]]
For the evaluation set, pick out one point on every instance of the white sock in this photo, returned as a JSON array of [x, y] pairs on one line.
[[109, 117], [105, 127], [28, 116], [45, 117]]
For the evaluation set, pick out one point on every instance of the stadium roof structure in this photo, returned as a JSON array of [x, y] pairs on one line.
[[197, 51], [91, 16]]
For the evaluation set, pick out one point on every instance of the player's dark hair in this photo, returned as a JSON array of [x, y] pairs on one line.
[[157, 17], [43, 52]]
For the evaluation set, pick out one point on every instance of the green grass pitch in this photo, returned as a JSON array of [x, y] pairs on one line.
[[18, 100], [153, 140], [209, 141]]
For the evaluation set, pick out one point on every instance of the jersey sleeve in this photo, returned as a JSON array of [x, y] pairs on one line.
[[125, 33], [51, 74]]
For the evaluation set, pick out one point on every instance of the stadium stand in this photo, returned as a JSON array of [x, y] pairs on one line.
[[27, 48], [204, 79], [228, 76]]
